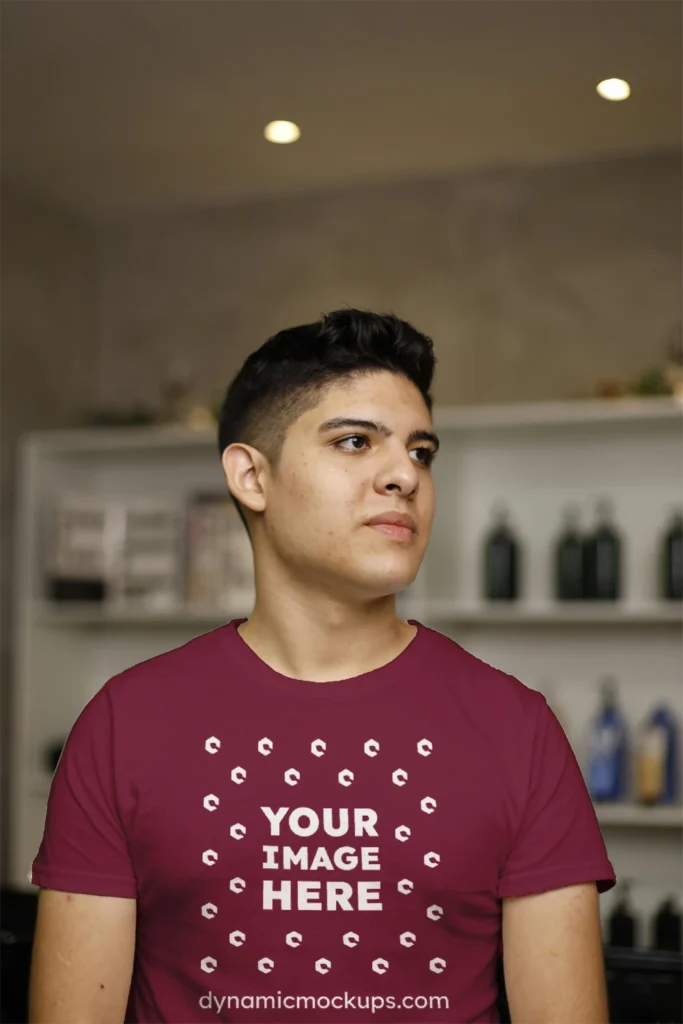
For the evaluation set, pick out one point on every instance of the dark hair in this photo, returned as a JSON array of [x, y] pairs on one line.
[[287, 375]]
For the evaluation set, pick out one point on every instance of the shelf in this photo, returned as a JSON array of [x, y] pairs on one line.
[[633, 816], [79, 615], [535, 456], [558, 414], [93, 440], [442, 612], [579, 614]]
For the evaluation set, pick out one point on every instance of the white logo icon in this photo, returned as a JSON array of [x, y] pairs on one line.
[[210, 857], [238, 831], [292, 776], [212, 744], [211, 802], [209, 964], [437, 965], [399, 777], [405, 885], [294, 939], [238, 775], [351, 939], [209, 910], [408, 939], [425, 747], [265, 965], [402, 832], [428, 803], [237, 884], [380, 966], [237, 938], [371, 748], [322, 966], [318, 747], [431, 859], [265, 746], [345, 777], [434, 912]]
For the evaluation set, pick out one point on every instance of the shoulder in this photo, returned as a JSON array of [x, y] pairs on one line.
[[177, 673], [479, 687]]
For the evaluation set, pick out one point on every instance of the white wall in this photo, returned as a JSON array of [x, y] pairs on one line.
[[48, 368]]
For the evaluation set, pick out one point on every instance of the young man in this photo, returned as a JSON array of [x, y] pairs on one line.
[[321, 812]]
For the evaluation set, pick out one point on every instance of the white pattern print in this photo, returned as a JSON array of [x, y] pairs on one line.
[[364, 819]]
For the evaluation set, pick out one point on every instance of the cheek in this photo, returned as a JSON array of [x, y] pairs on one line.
[[322, 487], [321, 502]]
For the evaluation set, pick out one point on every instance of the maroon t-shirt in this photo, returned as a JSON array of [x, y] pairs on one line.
[[305, 851]]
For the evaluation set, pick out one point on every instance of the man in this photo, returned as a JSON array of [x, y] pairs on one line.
[[321, 812]]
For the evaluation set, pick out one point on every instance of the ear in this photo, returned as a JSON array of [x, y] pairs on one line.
[[245, 469]]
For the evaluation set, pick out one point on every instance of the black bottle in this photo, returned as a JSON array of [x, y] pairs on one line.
[[569, 559], [667, 927], [621, 925], [672, 560], [602, 557], [501, 559], [52, 753]]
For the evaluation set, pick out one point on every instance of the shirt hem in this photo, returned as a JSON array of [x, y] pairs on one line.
[[541, 881], [87, 885]]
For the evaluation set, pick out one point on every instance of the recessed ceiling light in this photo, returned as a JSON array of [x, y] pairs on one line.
[[614, 89], [282, 131]]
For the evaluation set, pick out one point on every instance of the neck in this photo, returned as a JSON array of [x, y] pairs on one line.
[[318, 638]]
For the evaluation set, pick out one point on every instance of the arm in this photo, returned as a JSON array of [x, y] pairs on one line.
[[553, 958], [82, 960]]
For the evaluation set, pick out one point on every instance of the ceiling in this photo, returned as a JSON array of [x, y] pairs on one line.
[[114, 106]]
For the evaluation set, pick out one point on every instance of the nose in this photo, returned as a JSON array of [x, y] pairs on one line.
[[399, 474]]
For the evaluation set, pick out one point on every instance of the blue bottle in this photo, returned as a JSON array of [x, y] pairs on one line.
[[657, 758], [607, 748]]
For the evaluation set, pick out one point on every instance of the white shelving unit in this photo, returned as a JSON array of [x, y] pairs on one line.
[[537, 458]]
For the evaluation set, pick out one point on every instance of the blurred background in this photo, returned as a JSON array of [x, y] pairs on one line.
[[182, 180]]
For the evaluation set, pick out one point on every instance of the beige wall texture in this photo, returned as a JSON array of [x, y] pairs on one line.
[[533, 283], [47, 333]]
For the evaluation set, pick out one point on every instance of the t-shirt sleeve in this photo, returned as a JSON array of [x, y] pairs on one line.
[[84, 847], [558, 842]]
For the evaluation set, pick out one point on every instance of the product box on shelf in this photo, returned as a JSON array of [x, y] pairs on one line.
[[220, 564], [119, 550]]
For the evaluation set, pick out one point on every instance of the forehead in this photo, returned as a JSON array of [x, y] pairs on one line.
[[383, 394]]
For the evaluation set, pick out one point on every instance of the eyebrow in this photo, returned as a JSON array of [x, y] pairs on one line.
[[378, 428]]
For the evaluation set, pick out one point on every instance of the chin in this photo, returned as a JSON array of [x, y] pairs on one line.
[[389, 579]]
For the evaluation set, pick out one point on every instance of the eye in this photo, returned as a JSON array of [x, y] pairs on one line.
[[428, 454], [352, 437]]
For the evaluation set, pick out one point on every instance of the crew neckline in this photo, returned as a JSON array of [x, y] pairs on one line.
[[362, 686]]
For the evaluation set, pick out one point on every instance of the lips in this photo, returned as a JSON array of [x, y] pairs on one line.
[[398, 533], [402, 519]]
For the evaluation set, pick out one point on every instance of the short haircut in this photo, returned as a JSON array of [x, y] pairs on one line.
[[289, 373]]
